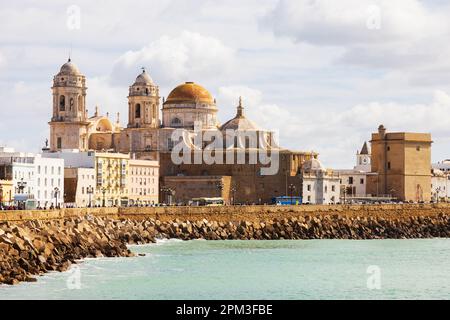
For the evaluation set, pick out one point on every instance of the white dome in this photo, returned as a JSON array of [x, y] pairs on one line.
[[69, 68], [143, 79], [313, 165]]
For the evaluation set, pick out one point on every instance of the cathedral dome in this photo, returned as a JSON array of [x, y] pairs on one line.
[[240, 122], [313, 165], [69, 68], [190, 92], [144, 79]]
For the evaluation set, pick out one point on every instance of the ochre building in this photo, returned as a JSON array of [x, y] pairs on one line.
[[401, 162]]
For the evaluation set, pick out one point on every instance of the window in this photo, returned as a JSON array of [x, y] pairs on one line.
[[389, 165], [176, 122], [308, 187], [388, 148], [309, 198], [59, 143], [62, 103], [350, 180], [138, 111], [333, 188], [170, 144], [418, 148], [53, 170], [361, 181], [326, 189], [39, 169], [59, 170]]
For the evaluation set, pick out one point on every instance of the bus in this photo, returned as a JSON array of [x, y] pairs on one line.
[[287, 201], [208, 202]]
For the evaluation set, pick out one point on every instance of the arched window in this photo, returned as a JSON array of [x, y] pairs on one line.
[[176, 122], [138, 111], [62, 103], [71, 104]]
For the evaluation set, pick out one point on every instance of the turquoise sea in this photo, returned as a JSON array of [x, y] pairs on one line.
[[316, 269]]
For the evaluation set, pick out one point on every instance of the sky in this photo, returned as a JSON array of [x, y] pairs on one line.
[[324, 74]]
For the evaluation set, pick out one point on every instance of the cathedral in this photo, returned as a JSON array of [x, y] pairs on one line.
[[149, 136]]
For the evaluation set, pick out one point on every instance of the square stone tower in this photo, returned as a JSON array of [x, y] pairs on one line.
[[401, 165]]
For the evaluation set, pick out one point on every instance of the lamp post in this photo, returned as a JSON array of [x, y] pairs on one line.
[[233, 191], [219, 186], [90, 192], [56, 192], [21, 185], [104, 197], [345, 193], [1, 197], [169, 193], [291, 191]]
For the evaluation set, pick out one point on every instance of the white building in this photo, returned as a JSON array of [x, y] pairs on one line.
[[440, 182], [143, 182], [354, 181], [319, 185], [35, 177]]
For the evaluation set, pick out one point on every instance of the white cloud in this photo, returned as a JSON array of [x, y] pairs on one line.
[[171, 59], [2, 60], [408, 36]]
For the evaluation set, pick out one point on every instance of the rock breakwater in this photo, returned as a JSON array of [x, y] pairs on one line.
[[31, 248]]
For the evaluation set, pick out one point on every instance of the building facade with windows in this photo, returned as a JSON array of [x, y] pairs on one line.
[[34, 177], [319, 185], [401, 163], [354, 181], [143, 182]]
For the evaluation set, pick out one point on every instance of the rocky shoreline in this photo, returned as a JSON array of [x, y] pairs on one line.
[[31, 248]]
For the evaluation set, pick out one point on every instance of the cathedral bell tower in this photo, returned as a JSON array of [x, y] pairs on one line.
[[143, 103], [68, 126]]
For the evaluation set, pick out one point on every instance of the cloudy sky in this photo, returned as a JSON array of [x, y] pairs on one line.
[[323, 73]]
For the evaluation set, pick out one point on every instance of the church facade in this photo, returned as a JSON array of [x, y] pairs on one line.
[[189, 108]]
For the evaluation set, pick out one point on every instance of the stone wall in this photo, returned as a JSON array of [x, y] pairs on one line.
[[233, 213]]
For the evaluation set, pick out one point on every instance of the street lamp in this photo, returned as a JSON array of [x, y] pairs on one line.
[[90, 192], [219, 186], [169, 192], [233, 191], [21, 185], [104, 195], [56, 192], [291, 191]]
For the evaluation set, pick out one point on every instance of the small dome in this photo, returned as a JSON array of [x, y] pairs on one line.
[[190, 92], [69, 68], [144, 79], [240, 124], [313, 165]]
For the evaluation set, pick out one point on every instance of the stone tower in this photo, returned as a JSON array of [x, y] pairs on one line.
[[69, 125], [143, 103]]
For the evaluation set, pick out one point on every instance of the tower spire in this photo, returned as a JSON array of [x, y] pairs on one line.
[[240, 109]]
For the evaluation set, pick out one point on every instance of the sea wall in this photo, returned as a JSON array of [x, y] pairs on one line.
[[32, 243], [230, 213]]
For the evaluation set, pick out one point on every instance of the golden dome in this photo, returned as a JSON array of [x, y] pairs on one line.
[[190, 92]]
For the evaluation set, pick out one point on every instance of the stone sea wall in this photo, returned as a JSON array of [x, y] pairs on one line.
[[32, 243]]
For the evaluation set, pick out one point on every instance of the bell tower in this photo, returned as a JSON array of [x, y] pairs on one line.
[[363, 159], [143, 103], [68, 126]]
